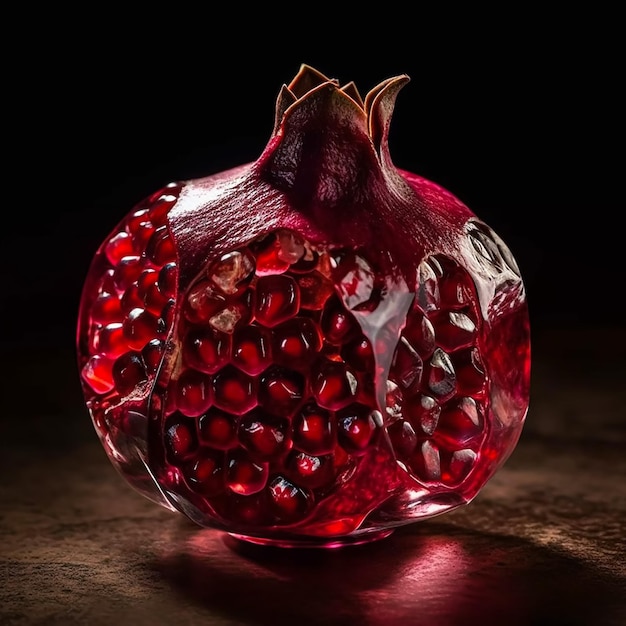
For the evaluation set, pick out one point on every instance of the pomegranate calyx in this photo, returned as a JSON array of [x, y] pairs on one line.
[[308, 79], [379, 106], [329, 144]]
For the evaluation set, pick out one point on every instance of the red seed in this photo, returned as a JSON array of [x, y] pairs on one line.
[[154, 301], [403, 438], [422, 411], [290, 246], [161, 249], [459, 465], [407, 366], [107, 309], [335, 385], [128, 271], [162, 201], [140, 327], [233, 390], [167, 316], [141, 233], [453, 329], [136, 219], [111, 341], [456, 288], [107, 283], [356, 281], [419, 334], [295, 343], [359, 354], [427, 297], [233, 271], [193, 393], [470, 371], [277, 299], [246, 477], [147, 290], [152, 354], [315, 290], [442, 378], [262, 434], [218, 429], [355, 428], [311, 471], [206, 473], [426, 462], [252, 349], [147, 278], [167, 280], [313, 430], [180, 440], [288, 502], [98, 374], [338, 325], [129, 371], [119, 246], [267, 260], [131, 299], [281, 390], [247, 510], [460, 421], [206, 349]]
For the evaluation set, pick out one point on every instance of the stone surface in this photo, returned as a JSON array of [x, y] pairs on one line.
[[543, 543]]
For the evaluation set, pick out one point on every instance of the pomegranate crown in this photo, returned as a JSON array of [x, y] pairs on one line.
[[331, 129], [308, 81]]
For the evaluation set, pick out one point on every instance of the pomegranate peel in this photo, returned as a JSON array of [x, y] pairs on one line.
[[312, 348]]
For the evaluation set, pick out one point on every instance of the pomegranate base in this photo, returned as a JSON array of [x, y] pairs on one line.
[[315, 542]]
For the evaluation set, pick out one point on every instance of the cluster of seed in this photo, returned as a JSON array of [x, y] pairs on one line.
[[437, 383], [272, 399], [130, 304]]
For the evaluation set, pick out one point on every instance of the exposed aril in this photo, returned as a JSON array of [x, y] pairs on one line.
[[179, 439], [277, 299], [192, 392], [218, 429], [252, 349], [281, 390], [205, 473], [246, 477], [206, 349], [263, 434], [314, 430], [129, 372], [233, 390], [288, 501], [310, 349], [310, 470]]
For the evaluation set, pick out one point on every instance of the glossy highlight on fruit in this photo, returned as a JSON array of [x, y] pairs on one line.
[[311, 349]]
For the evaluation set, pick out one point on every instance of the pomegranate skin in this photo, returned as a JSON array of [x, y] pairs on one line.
[[314, 348]]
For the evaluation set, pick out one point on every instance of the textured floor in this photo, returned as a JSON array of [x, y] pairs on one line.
[[543, 543]]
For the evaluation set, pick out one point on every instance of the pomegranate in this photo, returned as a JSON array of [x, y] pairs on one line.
[[311, 349]]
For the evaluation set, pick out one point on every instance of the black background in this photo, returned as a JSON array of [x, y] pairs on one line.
[[518, 114]]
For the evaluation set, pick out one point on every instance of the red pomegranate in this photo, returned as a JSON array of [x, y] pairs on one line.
[[313, 348]]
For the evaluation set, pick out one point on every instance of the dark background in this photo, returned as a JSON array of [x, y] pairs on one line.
[[519, 115], [517, 110]]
